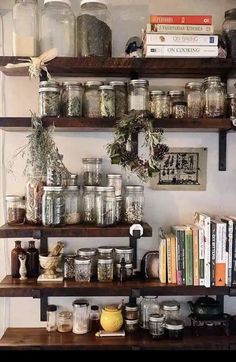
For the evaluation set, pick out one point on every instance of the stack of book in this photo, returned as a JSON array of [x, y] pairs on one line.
[[180, 36]]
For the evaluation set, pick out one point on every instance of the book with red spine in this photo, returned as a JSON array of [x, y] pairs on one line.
[[181, 19]]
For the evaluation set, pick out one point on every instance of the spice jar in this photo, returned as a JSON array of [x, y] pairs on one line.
[[53, 206], [91, 99], [72, 200], [105, 269], [138, 95], [89, 216], [148, 306], [175, 96], [159, 104], [15, 209], [131, 312], [34, 195], [92, 254], [121, 97], [134, 204], [125, 252], [80, 316], [107, 101], [69, 266], [194, 99], [65, 321], [156, 325], [49, 99], [82, 269], [119, 209], [170, 309], [131, 325], [115, 180], [174, 328], [105, 204], [72, 99], [179, 109], [92, 171], [94, 317], [51, 318], [213, 98]]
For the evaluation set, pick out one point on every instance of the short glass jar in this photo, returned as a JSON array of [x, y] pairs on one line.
[[89, 215], [131, 326], [82, 269], [92, 168], [73, 205], [128, 271], [138, 95], [174, 328], [156, 325], [49, 99], [125, 252], [92, 254], [105, 251], [175, 96], [159, 104], [65, 322], [134, 204], [179, 109], [121, 97], [115, 180], [131, 312], [15, 209], [53, 206], [105, 204], [69, 266], [80, 316], [91, 99], [213, 98], [105, 269], [107, 101], [72, 99], [170, 309], [194, 99], [119, 209], [148, 306]]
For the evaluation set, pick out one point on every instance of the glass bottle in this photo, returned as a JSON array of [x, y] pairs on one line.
[[229, 30], [72, 99], [213, 98], [105, 203], [34, 195], [91, 99], [25, 28], [121, 97], [94, 35], [107, 101], [92, 168], [15, 209], [58, 27], [148, 306], [89, 205], [32, 260], [94, 319], [15, 263], [138, 95], [134, 204], [194, 99], [73, 208], [49, 99], [51, 318], [80, 316], [69, 266], [65, 322], [53, 206], [231, 107]]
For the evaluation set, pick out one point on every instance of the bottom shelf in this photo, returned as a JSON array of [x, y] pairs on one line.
[[40, 339]]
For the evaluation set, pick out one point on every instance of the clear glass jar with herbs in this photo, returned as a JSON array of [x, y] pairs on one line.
[[89, 216], [115, 180], [105, 203], [90, 253], [73, 205], [121, 97], [69, 266], [175, 96], [92, 171], [82, 269], [15, 209], [159, 104], [34, 196], [72, 99], [105, 269], [194, 99], [49, 99], [138, 99], [134, 204], [213, 98], [53, 206], [91, 99], [107, 101]]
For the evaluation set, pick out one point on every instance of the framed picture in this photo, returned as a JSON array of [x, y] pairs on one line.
[[183, 169]]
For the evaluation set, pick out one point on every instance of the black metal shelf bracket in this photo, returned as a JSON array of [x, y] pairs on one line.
[[42, 236], [37, 294], [222, 150]]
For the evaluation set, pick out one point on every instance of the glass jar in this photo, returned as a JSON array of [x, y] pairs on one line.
[[148, 306], [54, 176], [72, 99], [213, 98], [49, 99], [131, 325], [94, 319], [128, 267], [73, 210], [105, 269], [194, 99], [156, 325], [105, 205], [15, 262], [25, 28], [170, 309], [131, 312], [91, 99], [121, 97], [175, 96], [89, 216], [134, 204], [159, 104], [72, 180], [179, 109], [229, 30], [107, 101], [51, 318], [34, 196], [15, 209], [105, 251], [119, 209], [53, 206], [90, 253], [80, 316], [115, 180], [138, 95], [65, 322], [32, 260], [58, 27], [69, 266], [94, 35], [92, 168], [174, 329], [231, 106], [125, 252], [82, 269]]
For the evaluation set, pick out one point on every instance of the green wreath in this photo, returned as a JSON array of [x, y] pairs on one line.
[[120, 150]]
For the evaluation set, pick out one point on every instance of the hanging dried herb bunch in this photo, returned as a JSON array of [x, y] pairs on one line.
[[120, 150]]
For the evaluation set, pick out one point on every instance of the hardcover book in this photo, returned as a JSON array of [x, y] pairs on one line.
[[180, 29], [153, 38], [180, 51], [181, 19]]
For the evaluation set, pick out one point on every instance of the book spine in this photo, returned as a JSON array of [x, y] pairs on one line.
[[230, 252], [220, 256], [182, 255], [162, 264], [168, 260], [195, 257], [173, 259], [234, 255], [179, 261], [180, 51], [180, 39], [207, 236], [201, 257], [213, 252], [189, 257], [181, 19], [180, 29]]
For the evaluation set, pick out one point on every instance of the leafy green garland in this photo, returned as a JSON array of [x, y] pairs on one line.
[[120, 150]]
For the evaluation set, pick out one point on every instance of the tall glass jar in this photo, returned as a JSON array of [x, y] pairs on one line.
[[159, 104], [194, 99], [138, 95], [80, 316], [229, 30], [58, 27], [91, 99], [53, 206], [94, 35], [92, 168], [119, 209], [82, 269], [51, 318], [121, 97], [134, 204], [115, 180], [72, 99], [105, 203], [25, 28], [15, 209], [105, 269], [231, 106], [49, 99], [213, 98], [73, 207], [175, 96], [107, 101], [89, 216], [148, 306], [34, 196], [69, 266], [90, 253]]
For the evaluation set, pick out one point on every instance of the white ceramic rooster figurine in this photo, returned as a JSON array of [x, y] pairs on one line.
[[22, 270]]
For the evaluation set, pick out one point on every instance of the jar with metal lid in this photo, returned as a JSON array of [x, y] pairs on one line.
[[92, 254], [179, 109], [159, 104], [82, 269], [15, 209], [107, 101], [65, 322], [194, 99], [89, 216], [119, 209], [170, 309], [92, 168], [175, 96], [231, 107], [72, 99], [128, 271], [72, 180], [125, 252], [148, 306], [49, 99], [80, 316], [34, 195], [69, 266], [91, 99], [51, 318], [106, 251], [105, 269], [134, 204], [213, 98], [229, 31], [105, 206], [121, 97], [53, 206], [131, 312], [156, 325], [73, 207], [115, 180], [131, 325], [138, 95], [174, 328]]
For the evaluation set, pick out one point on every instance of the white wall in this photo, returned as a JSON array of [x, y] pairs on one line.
[[162, 208]]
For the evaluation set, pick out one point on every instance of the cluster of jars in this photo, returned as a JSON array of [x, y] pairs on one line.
[[102, 264]]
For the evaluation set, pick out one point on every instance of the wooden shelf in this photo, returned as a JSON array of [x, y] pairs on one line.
[[127, 67], [40, 339]]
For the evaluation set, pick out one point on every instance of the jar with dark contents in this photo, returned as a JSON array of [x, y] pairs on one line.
[[131, 325], [92, 170], [229, 31], [179, 109], [175, 96], [121, 97], [15, 209], [156, 326], [174, 329], [49, 99], [107, 101], [128, 271], [231, 107], [69, 266], [131, 312]]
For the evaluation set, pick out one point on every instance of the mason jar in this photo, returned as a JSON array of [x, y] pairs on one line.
[[107, 101], [121, 97], [179, 109], [73, 207], [105, 269], [90, 253], [69, 266], [134, 204], [49, 99], [159, 104], [53, 206], [89, 215], [170, 309], [82, 269], [175, 96], [92, 168], [15, 209], [115, 180], [105, 251], [229, 30], [105, 204], [194, 99], [91, 99], [213, 98], [148, 306], [156, 325], [72, 99], [65, 322], [138, 95], [125, 252], [34, 196]]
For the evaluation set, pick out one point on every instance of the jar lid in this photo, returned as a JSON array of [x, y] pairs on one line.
[[89, 188], [170, 305], [130, 308], [150, 296], [157, 92], [156, 318], [70, 256], [134, 188], [72, 188], [92, 160], [71, 84], [174, 324], [105, 188], [94, 307], [105, 260], [65, 314], [119, 198], [68, 2], [211, 79], [51, 308], [80, 303], [49, 83], [49, 89], [106, 87], [124, 249], [91, 83], [230, 13], [173, 93], [86, 251], [82, 260], [117, 83], [114, 175], [139, 82], [193, 85], [131, 322], [15, 198], [231, 95], [105, 249], [103, 2], [128, 266], [53, 188]]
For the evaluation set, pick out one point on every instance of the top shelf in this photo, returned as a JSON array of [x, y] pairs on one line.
[[128, 67]]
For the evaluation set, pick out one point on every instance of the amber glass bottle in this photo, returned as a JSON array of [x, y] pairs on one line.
[[15, 263], [32, 260]]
